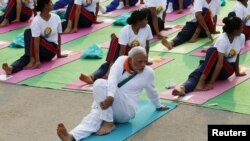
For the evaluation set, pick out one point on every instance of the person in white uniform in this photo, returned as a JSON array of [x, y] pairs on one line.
[[221, 61], [136, 33], [242, 10], [17, 11], [202, 24], [115, 99]]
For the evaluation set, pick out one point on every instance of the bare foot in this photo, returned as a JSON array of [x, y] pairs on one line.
[[7, 69], [5, 22], [36, 65], [15, 21], [178, 91], [86, 79], [30, 65], [180, 11], [67, 30], [200, 86], [106, 128], [63, 133], [194, 38], [167, 44]]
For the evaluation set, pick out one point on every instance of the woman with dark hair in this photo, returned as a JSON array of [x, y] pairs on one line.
[[156, 10], [241, 10], [202, 23], [221, 61], [42, 41], [80, 13], [136, 33], [17, 11]]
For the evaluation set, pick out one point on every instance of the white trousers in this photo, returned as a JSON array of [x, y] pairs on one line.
[[121, 111]]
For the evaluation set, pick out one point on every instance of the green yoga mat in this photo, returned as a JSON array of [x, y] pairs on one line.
[[235, 100], [145, 115]]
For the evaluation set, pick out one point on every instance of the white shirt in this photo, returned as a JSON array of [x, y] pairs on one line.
[[132, 89], [160, 6], [89, 5], [128, 37], [230, 50], [47, 29], [242, 12], [28, 3], [214, 7]]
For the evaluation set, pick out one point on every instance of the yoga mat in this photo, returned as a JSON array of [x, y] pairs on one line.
[[80, 85], [234, 100], [146, 114], [13, 27], [84, 31], [199, 53], [174, 15], [203, 96], [173, 29], [4, 44], [184, 48], [46, 66], [121, 11]]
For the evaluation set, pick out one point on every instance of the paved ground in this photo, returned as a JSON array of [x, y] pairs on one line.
[[32, 114]]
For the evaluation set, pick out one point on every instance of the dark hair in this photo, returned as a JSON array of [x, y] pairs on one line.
[[40, 4], [136, 16], [231, 24]]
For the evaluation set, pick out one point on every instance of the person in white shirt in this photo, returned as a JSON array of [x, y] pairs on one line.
[[17, 11], [136, 33], [156, 15], [221, 61], [202, 24], [242, 10], [115, 99], [42, 41], [80, 13]]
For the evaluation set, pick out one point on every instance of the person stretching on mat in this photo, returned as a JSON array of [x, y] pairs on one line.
[[221, 61], [156, 15], [241, 10], [17, 11], [60, 4], [136, 33], [115, 99], [179, 5], [80, 13], [118, 4], [203, 23], [42, 41]]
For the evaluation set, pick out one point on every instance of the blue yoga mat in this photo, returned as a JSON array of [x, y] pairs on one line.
[[146, 114]]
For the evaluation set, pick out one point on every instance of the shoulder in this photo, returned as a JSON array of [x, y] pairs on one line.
[[148, 71], [121, 59]]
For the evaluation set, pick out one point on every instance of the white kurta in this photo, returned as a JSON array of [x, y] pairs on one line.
[[125, 98]]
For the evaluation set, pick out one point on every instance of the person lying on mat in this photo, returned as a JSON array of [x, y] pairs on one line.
[[115, 99], [179, 5], [136, 33], [221, 61], [80, 13], [118, 4], [42, 41], [17, 11], [156, 15], [202, 24], [241, 10]]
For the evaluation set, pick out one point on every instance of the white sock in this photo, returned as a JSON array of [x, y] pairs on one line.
[[103, 9], [121, 5]]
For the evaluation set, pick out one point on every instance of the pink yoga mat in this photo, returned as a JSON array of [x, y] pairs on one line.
[[84, 31], [164, 33], [46, 66], [203, 96], [121, 11], [13, 26], [174, 15], [199, 53], [80, 85], [4, 44]]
